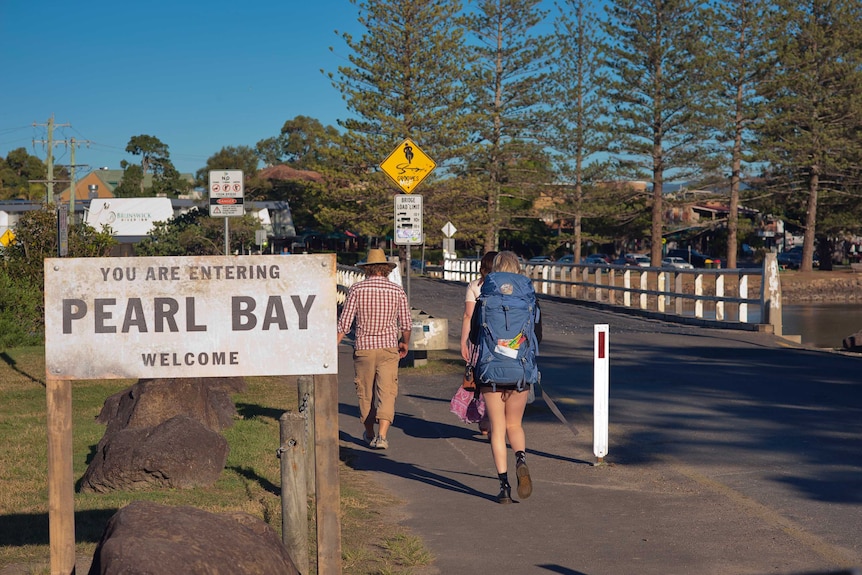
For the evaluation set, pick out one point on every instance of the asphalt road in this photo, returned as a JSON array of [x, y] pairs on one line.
[[729, 452]]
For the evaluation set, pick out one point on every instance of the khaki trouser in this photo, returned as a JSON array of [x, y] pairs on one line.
[[376, 382]]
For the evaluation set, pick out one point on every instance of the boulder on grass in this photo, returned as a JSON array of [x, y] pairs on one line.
[[153, 401], [146, 537], [163, 433], [180, 453]]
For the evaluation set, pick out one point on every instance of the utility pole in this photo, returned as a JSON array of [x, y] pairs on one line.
[[72, 166], [50, 141], [72, 180]]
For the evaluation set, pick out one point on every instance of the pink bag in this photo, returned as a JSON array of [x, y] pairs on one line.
[[467, 406]]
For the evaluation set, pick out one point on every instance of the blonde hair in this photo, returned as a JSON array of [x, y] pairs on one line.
[[507, 262]]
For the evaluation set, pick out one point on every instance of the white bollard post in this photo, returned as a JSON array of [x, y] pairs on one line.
[[601, 364]]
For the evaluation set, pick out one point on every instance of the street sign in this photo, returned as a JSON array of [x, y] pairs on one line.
[[7, 238], [226, 193], [449, 230], [63, 231], [408, 220], [407, 165]]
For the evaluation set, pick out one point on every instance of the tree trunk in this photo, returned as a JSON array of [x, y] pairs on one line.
[[810, 222]]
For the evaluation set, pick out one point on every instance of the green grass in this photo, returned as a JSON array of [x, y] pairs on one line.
[[250, 481]]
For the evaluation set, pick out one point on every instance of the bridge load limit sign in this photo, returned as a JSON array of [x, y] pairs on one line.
[[407, 165], [226, 193], [408, 220]]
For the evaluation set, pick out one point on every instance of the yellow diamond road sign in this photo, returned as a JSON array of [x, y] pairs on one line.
[[7, 238], [407, 165]]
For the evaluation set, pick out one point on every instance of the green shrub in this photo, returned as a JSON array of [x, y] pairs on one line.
[[21, 312], [22, 272]]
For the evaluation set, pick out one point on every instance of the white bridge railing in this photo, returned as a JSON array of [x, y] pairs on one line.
[[747, 298]]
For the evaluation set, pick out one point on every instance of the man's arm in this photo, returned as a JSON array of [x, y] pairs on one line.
[[404, 344], [405, 322], [348, 312]]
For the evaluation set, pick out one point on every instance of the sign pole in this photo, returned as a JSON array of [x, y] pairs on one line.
[[61, 483], [408, 269], [226, 237]]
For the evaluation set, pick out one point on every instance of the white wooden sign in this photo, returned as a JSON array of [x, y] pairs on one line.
[[201, 316]]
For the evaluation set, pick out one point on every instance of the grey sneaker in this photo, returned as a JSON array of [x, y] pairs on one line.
[[380, 443], [368, 439]]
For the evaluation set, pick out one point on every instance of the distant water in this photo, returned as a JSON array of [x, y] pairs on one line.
[[822, 324]]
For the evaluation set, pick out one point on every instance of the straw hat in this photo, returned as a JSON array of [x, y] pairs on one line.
[[377, 256]]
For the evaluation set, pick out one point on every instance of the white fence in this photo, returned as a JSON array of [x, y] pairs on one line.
[[747, 298]]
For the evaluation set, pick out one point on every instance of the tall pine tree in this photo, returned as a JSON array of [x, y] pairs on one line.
[[403, 80], [578, 133], [739, 60], [811, 132], [657, 90], [507, 87]]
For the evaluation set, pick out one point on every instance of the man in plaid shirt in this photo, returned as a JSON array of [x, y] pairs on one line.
[[382, 316]]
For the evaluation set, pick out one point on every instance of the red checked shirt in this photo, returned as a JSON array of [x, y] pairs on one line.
[[381, 312]]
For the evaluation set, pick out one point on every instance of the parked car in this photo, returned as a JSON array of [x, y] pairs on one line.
[[539, 260], [675, 262], [792, 258], [595, 259], [638, 260], [641, 260], [566, 259], [695, 258]]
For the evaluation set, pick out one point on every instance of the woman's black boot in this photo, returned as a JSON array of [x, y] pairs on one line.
[[505, 495]]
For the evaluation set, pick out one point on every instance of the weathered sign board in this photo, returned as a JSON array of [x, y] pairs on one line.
[[154, 317], [204, 316]]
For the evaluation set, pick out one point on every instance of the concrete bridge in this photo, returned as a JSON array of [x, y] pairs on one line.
[[730, 451]]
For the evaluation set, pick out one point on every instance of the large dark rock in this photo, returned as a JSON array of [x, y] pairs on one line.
[[163, 433], [180, 453], [145, 538], [153, 401]]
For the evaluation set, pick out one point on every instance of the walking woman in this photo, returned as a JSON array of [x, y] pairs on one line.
[[507, 329], [467, 348]]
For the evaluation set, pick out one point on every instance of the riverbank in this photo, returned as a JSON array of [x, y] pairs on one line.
[[839, 285]]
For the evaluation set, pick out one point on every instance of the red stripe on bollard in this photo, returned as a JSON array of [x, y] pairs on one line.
[[601, 345]]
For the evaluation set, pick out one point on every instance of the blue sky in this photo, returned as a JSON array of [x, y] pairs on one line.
[[197, 75]]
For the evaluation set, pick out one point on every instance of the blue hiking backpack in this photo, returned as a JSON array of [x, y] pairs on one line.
[[506, 338]]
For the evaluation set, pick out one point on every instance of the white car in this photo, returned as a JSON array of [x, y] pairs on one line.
[[674, 262], [639, 260]]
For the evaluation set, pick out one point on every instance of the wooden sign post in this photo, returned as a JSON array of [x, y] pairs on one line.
[[173, 317], [61, 483]]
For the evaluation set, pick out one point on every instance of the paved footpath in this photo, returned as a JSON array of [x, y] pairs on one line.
[[652, 518]]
